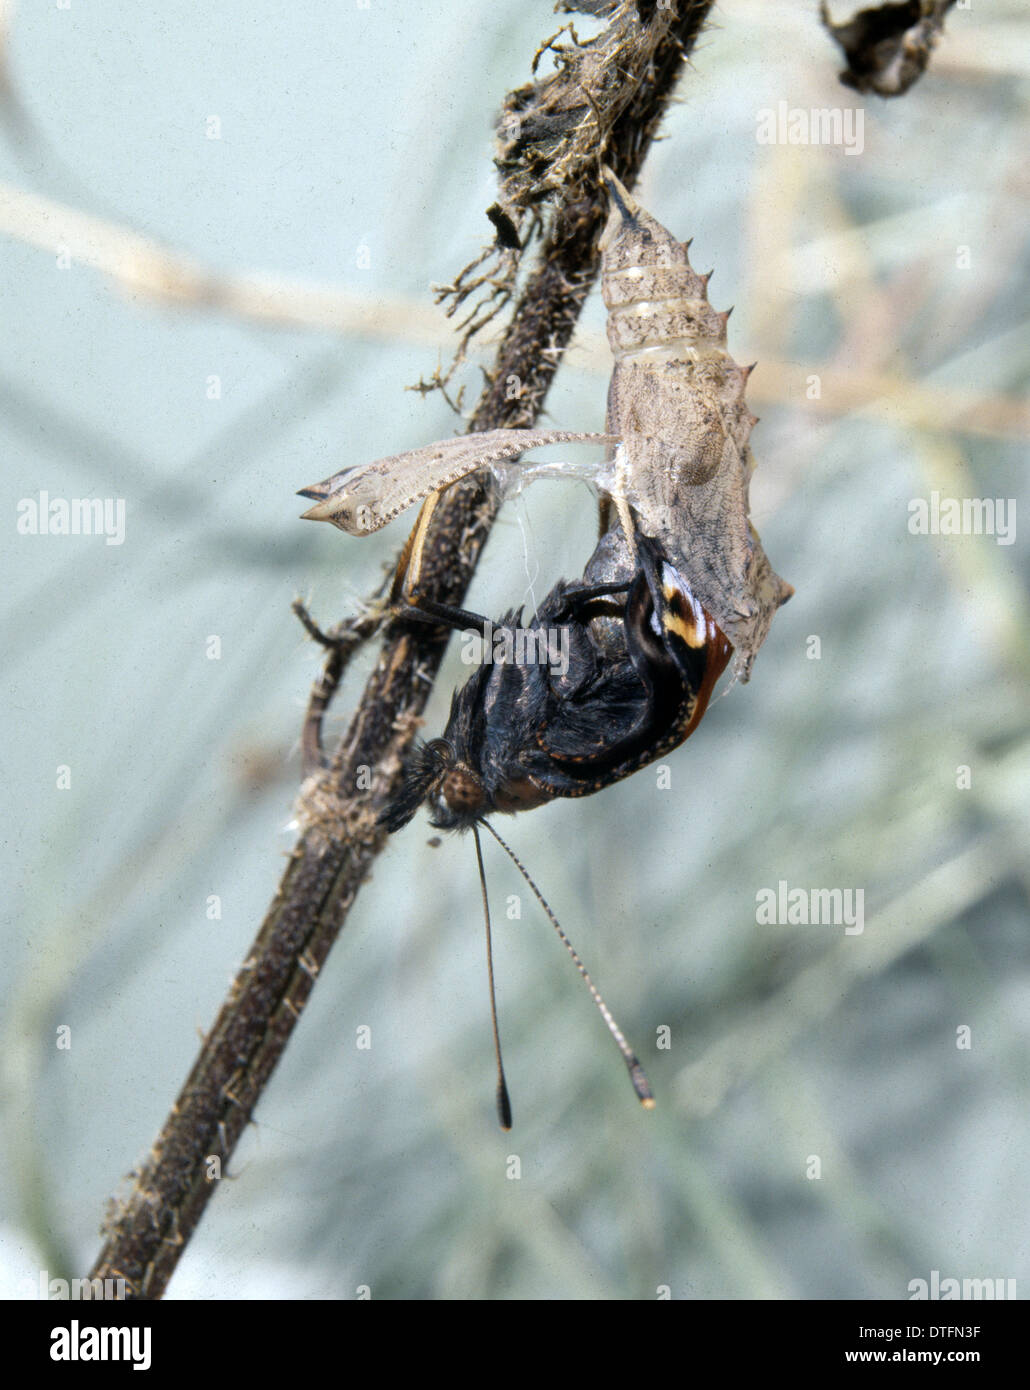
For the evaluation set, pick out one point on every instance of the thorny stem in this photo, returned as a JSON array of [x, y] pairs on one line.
[[631, 69]]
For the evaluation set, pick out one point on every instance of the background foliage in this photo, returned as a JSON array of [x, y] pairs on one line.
[[367, 137]]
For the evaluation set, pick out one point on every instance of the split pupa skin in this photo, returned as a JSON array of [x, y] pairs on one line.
[[678, 459], [677, 403]]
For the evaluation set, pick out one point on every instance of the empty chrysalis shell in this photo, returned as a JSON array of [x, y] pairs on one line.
[[676, 400]]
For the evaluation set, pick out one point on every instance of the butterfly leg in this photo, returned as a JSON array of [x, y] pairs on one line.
[[405, 599]]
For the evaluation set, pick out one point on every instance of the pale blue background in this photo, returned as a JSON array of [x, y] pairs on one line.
[[344, 127]]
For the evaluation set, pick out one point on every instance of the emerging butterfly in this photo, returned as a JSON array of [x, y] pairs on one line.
[[679, 463], [678, 584]]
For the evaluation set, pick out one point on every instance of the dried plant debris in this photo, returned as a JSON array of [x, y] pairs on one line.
[[507, 232], [597, 7], [888, 46], [551, 135], [551, 131]]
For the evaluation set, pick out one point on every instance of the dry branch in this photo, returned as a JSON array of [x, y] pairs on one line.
[[606, 99]]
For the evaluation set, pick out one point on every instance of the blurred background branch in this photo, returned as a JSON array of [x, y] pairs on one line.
[[138, 265], [132, 895]]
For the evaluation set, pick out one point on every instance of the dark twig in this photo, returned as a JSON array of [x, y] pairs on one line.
[[630, 71], [341, 644]]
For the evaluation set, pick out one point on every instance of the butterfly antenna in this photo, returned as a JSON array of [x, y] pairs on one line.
[[503, 1102], [636, 1072]]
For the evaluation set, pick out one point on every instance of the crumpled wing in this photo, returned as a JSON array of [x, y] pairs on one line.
[[360, 500]]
